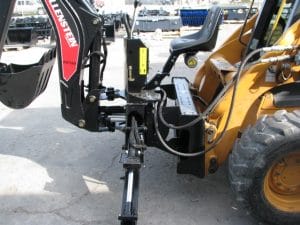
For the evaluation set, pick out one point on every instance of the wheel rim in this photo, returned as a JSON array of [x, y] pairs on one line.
[[282, 184]]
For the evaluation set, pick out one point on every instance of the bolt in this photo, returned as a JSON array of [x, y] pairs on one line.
[[210, 131], [81, 123], [213, 165], [277, 174], [92, 98], [96, 21]]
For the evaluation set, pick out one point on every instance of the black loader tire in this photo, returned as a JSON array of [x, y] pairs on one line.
[[255, 154]]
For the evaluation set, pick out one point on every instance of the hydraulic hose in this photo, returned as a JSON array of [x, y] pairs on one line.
[[235, 81]]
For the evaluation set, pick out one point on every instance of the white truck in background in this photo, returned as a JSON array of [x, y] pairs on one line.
[[28, 7]]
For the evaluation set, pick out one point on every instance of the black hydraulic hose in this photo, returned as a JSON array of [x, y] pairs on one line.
[[244, 25], [192, 123], [236, 81], [126, 22], [170, 149], [104, 58]]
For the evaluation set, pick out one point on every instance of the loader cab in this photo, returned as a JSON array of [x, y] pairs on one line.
[[262, 30], [274, 18]]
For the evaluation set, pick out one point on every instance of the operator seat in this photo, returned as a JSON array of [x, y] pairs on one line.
[[203, 40]]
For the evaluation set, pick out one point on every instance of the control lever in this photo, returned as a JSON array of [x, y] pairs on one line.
[[137, 3]]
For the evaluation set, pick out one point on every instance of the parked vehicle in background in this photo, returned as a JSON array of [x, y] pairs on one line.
[[167, 2], [28, 7], [153, 12]]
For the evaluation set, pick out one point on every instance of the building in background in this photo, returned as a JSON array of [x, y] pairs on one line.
[[187, 2], [115, 6]]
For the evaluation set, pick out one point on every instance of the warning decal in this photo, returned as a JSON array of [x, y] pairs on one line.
[[143, 61]]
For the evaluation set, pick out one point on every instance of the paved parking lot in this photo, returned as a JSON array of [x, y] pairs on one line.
[[54, 173]]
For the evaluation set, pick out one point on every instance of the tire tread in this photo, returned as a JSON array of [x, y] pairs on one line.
[[249, 153]]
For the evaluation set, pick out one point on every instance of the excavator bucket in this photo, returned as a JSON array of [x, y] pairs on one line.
[[21, 84]]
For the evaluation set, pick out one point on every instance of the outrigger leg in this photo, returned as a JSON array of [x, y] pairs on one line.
[[132, 160]]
